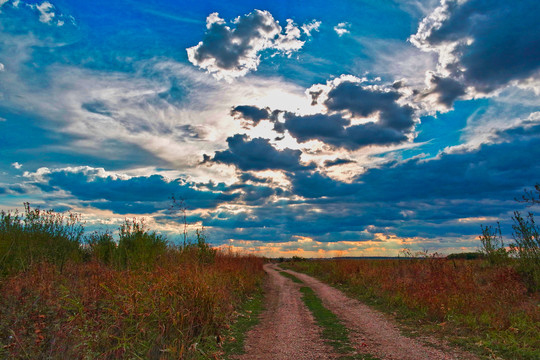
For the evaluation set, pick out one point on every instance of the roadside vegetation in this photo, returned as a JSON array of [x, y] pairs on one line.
[[488, 301], [131, 294]]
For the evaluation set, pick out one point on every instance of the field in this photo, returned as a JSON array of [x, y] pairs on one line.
[[483, 307], [99, 297], [130, 294]]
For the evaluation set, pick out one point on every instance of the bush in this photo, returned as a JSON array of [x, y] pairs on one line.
[[137, 246], [466, 256], [36, 236], [527, 249], [102, 247], [493, 245]]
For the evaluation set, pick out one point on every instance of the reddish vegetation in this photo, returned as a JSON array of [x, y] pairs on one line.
[[491, 301], [93, 311]]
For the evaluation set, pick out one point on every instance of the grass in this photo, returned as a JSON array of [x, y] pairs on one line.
[[333, 330], [67, 295], [480, 307], [246, 318]]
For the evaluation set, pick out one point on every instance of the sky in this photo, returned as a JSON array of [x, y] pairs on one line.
[[316, 129]]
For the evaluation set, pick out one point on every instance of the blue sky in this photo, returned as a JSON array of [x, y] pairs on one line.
[[288, 128]]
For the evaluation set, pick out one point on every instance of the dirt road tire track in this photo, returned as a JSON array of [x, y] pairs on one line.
[[371, 331], [287, 330]]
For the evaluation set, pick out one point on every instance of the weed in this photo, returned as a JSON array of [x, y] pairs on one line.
[[463, 299]]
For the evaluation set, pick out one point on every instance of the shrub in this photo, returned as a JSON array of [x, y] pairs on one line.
[[137, 246], [36, 236], [493, 245], [527, 249], [102, 247]]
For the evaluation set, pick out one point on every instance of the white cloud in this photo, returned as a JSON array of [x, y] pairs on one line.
[[47, 14], [232, 50], [314, 25], [342, 28], [16, 165], [2, 2], [2, 67], [142, 110], [46, 11]]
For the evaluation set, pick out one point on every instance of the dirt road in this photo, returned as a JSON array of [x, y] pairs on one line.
[[288, 331], [374, 333]]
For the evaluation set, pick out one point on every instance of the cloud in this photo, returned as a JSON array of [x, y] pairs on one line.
[[47, 14], [383, 120], [256, 154], [441, 91], [342, 28], [2, 67], [249, 113], [16, 165], [124, 194], [484, 45], [229, 51], [335, 162], [308, 28]]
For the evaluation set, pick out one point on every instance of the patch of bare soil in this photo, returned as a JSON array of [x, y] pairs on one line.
[[374, 333], [287, 330]]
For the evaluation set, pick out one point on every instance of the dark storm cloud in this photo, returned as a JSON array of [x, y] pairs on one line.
[[256, 154], [495, 41]]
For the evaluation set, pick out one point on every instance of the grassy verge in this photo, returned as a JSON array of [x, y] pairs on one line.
[[482, 309], [333, 331], [247, 318]]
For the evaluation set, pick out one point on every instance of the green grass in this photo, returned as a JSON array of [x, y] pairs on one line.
[[292, 277], [248, 317], [333, 330]]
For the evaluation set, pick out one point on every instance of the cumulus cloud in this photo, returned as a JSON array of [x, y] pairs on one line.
[[16, 165], [353, 115], [232, 50], [484, 45], [383, 120], [342, 28], [256, 154]]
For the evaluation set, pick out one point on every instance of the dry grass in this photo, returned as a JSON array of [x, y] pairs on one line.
[[485, 305], [90, 310]]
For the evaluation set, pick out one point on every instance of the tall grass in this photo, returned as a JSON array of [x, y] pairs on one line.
[[66, 295]]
